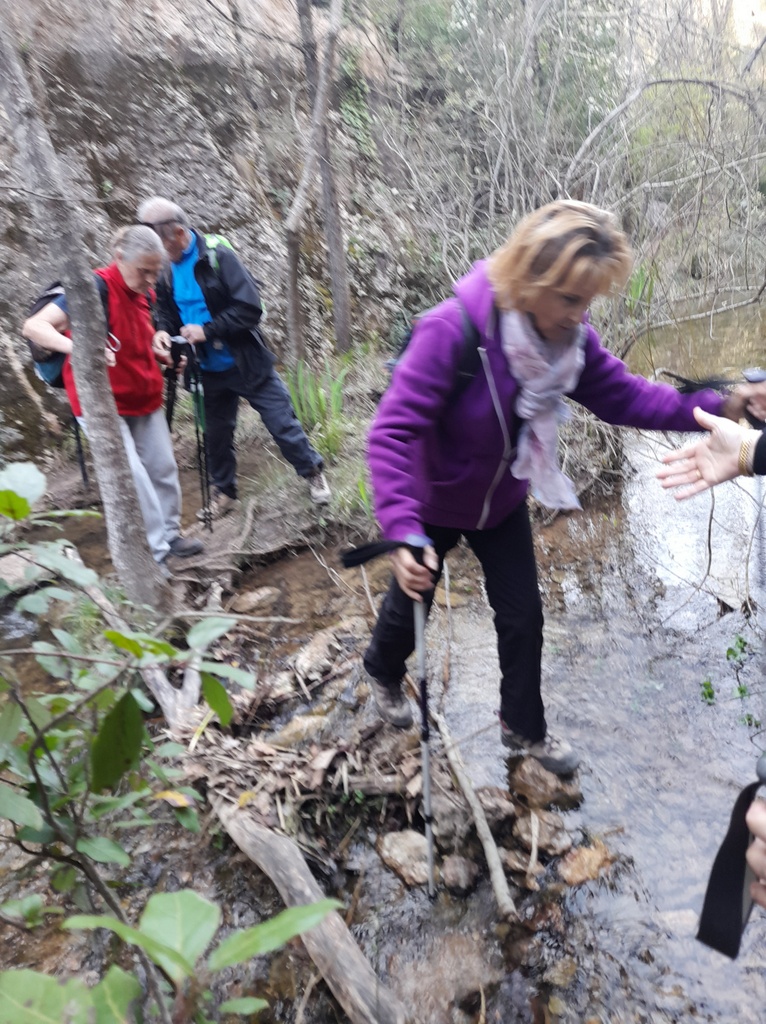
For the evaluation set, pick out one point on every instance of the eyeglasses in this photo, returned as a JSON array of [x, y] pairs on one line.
[[158, 224]]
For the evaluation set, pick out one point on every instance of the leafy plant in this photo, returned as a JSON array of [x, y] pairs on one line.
[[318, 404], [707, 691], [174, 931]]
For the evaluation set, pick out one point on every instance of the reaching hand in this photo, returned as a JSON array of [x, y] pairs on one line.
[[707, 462], [161, 345], [756, 854], [193, 333], [411, 576]]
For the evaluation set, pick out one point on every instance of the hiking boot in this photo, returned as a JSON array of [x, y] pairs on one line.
[[220, 506], [554, 755], [185, 547], [392, 705], [319, 489]]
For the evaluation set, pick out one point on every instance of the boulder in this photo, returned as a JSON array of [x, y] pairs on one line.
[[552, 836], [459, 874], [541, 788], [406, 853]]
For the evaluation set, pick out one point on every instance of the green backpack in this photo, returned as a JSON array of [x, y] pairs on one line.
[[213, 243]]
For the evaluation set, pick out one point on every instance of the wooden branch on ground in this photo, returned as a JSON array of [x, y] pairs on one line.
[[505, 904], [330, 944]]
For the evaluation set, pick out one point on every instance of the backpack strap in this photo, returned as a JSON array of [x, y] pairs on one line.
[[470, 360], [213, 242]]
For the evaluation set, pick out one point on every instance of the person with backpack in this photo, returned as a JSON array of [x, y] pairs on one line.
[[211, 300], [447, 463], [135, 379]]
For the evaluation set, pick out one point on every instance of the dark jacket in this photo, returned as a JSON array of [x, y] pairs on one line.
[[446, 462], [231, 295]]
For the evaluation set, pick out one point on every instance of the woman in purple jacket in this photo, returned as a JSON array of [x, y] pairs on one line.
[[445, 465]]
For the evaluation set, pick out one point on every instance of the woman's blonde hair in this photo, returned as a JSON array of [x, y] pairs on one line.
[[565, 245]]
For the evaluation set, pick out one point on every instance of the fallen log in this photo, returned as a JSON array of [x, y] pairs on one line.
[[330, 944]]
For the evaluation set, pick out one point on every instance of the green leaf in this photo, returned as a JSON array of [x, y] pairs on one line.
[[237, 675], [183, 920], [70, 570], [28, 997], [14, 507], [63, 879], [48, 658], [145, 703], [115, 996], [123, 642], [204, 632], [28, 908], [272, 934], [18, 808], [158, 951], [187, 817], [44, 835], [117, 746], [103, 850], [246, 1004], [170, 749], [24, 479], [67, 641], [10, 725], [35, 603], [217, 698]]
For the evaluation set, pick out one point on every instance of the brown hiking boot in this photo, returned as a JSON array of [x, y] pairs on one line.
[[392, 705]]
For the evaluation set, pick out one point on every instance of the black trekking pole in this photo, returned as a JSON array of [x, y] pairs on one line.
[[689, 385], [198, 406], [358, 556], [80, 453]]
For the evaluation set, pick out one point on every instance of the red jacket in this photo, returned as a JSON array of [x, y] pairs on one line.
[[136, 379]]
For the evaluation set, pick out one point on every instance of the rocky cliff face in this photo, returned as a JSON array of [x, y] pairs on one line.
[[203, 102]]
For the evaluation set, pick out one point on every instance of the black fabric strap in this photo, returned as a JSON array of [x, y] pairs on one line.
[[727, 903], [366, 552]]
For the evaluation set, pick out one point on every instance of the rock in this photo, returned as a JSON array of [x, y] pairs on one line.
[[318, 656], [19, 573], [498, 807], [517, 863], [552, 838], [561, 973], [452, 821], [300, 729], [249, 600], [541, 788], [459, 874], [456, 599], [406, 853], [280, 685], [585, 863]]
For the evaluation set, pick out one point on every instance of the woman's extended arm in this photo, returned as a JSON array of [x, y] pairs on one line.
[[46, 329]]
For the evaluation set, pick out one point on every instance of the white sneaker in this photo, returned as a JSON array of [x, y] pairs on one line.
[[219, 506], [319, 489]]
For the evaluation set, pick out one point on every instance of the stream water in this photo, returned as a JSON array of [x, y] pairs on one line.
[[643, 598]]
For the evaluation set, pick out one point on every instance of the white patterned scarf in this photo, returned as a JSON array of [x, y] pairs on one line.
[[543, 375]]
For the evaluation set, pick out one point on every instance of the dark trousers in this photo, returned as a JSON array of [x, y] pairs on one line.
[[507, 557], [271, 400]]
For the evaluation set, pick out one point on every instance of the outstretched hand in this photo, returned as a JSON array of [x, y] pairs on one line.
[[705, 463], [412, 577], [756, 854]]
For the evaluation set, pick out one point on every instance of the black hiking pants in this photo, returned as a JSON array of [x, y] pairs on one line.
[[507, 557], [271, 399]]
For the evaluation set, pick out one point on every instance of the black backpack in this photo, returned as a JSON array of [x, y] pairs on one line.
[[48, 365], [470, 360]]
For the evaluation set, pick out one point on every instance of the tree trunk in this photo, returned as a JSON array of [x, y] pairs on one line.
[[318, 150], [128, 546], [330, 944], [336, 249]]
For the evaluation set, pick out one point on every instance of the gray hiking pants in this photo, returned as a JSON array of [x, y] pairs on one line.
[[155, 474]]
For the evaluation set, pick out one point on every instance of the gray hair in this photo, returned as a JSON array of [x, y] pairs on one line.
[[135, 241], [157, 210]]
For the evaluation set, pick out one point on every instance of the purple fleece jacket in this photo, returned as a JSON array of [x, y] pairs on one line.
[[447, 462]]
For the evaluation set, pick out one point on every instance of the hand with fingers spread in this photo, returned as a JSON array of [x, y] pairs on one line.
[[756, 854], [725, 453], [413, 576]]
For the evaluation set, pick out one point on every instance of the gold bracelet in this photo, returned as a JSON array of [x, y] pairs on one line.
[[744, 463]]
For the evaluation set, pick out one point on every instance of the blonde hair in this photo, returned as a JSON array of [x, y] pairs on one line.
[[570, 246]]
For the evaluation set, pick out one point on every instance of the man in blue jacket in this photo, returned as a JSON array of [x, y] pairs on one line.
[[212, 301]]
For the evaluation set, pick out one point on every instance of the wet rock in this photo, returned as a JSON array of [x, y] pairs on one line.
[[318, 656], [552, 837], [541, 788], [249, 600], [459, 874], [452, 821], [518, 863], [300, 729], [562, 973], [498, 807], [406, 853], [585, 863]]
